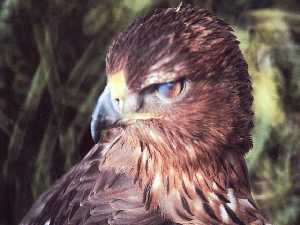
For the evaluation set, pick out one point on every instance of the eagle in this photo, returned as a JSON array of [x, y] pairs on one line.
[[171, 127]]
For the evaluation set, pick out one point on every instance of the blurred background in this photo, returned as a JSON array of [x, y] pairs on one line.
[[52, 70]]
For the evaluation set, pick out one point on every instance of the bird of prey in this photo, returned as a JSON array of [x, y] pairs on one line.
[[172, 127]]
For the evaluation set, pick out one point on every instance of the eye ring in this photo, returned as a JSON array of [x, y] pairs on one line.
[[170, 90]]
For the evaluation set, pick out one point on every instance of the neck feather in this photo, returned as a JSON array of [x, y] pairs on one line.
[[210, 189]]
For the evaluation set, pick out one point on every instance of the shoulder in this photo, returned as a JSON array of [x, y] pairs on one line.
[[90, 194]]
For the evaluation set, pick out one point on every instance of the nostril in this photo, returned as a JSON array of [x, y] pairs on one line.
[[119, 103]]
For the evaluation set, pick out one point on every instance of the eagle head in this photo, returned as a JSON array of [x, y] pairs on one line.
[[177, 80]]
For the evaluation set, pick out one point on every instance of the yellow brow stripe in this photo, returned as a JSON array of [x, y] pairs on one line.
[[117, 85]]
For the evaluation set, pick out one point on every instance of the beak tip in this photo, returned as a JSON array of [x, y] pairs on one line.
[[95, 133]]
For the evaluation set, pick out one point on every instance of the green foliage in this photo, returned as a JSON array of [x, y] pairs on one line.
[[271, 52], [136, 6]]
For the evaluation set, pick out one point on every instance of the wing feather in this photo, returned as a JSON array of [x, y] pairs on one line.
[[92, 195]]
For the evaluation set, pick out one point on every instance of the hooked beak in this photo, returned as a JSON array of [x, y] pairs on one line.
[[104, 114], [115, 104]]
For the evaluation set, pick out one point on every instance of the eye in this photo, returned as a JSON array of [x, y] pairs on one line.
[[170, 89]]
